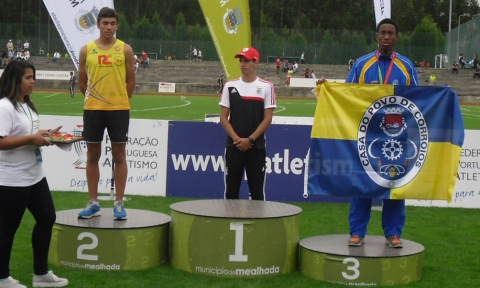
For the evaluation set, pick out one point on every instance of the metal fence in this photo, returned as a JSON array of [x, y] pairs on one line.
[[464, 39], [320, 46]]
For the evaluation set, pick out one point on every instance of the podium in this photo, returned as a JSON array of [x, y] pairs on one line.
[[101, 243], [235, 238], [328, 258]]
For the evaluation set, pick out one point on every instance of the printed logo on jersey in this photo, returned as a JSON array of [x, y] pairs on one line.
[[392, 141], [118, 60], [94, 51], [259, 89], [233, 90], [231, 20], [86, 21], [117, 48], [105, 59]]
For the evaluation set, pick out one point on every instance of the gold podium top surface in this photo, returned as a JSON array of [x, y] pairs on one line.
[[136, 219], [242, 209], [373, 246]]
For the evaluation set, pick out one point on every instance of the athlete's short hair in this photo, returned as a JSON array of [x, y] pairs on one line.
[[388, 21], [106, 12]]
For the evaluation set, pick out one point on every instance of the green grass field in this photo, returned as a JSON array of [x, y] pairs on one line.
[[450, 260], [194, 108]]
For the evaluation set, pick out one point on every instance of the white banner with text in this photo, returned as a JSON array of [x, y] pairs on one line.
[[76, 22], [161, 156]]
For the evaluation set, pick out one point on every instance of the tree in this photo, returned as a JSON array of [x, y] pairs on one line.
[[328, 48], [427, 40]]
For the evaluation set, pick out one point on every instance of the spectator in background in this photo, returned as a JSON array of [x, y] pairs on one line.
[[286, 64], [200, 57], [194, 52], [136, 62], [350, 63], [10, 46], [11, 55], [19, 46], [306, 74], [302, 58], [19, 55], [277, 63], [312, 75], [461, 61], [56, 56], [72, 85], [295, 67], [145, 59], [422, 64], [476, 73], [25, 56], [289, 76], [26, 46], [3, 58], [455, 67], [433, 79], [428, 64]]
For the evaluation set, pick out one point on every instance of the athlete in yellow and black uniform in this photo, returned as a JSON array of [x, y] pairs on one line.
[[107, 79]]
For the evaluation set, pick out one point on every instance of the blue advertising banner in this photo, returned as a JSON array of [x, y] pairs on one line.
[[195, 162]]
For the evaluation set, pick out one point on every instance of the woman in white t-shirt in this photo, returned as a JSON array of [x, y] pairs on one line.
[[22, 183]]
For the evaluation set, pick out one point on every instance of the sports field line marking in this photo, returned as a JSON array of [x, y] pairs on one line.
[[57, 104], [160, 108], [51, 95], [298, 103], [471, 115], [281, 107]]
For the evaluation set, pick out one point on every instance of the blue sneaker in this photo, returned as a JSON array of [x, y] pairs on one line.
[[119, 211], [92, 210]]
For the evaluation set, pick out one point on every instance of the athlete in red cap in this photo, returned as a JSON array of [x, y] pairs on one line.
[[247, 105]]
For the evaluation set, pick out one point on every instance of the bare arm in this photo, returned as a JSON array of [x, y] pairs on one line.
[[266, 122], [130, 66], [82, 72], [12, 142]]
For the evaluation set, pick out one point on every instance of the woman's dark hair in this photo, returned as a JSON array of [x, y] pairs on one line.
[[388, 21], [12, 79], [107, 12]]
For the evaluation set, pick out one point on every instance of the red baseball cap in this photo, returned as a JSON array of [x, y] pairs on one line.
[[250, 53]]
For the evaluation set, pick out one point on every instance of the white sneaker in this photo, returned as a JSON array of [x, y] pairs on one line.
[[49, 280], [11, 283]]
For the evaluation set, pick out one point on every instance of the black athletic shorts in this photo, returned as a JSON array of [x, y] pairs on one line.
[[116, 122]]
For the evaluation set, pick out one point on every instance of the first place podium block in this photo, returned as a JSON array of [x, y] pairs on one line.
[[101, 243], [235, 238]]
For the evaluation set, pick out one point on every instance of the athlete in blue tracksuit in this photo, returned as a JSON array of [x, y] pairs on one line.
[[383, 66]]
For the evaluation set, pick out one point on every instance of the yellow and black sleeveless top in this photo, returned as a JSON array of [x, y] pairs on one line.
[[106, 78]]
